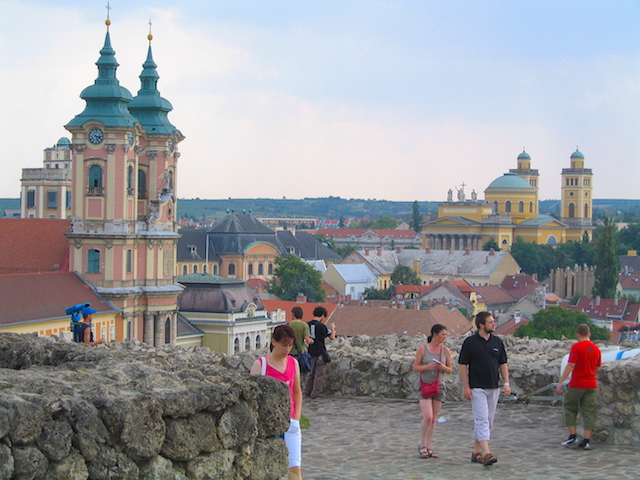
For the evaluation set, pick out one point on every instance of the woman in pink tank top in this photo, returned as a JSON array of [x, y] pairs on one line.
[[282, 366]]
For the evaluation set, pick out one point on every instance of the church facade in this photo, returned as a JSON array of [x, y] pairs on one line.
[[510, 210], [123, 236]]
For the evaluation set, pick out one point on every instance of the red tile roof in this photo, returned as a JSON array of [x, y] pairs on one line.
[[519, 285], [33, 245], [307, 308], [629, 282], [29, 297], [511, 326], [492, 294], [351, 321], [604, 308]]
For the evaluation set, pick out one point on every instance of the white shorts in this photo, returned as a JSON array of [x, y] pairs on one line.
[[293, 439]]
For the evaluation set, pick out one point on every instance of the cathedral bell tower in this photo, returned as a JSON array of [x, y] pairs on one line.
[[577, 190], [123, 232]]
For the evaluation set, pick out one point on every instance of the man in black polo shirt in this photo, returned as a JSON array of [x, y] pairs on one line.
[[483, 360]]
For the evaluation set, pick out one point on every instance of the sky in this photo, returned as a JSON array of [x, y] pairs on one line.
[[368, 99]]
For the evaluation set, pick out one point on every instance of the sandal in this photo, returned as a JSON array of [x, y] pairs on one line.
[[476, 457], [432, 454], [489, 459], [424, 452]]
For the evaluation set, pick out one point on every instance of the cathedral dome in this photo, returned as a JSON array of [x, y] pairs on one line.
[[524, 156], [509, 180], [64, 142], [577, 154]]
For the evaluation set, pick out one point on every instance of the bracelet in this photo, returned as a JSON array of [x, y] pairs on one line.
[[506, 385]]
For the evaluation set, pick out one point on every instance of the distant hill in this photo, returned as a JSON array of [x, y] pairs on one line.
[[336, 207]]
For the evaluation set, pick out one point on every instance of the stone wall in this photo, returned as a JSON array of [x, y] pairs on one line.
[[129, 411]]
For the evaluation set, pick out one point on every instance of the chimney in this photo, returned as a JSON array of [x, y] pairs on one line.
[[366, 252], [427, 251], [615, 302], [492, 252], [598, 300], [467, 251], [450, 251], [398, 249], [416, 266], [301, 298], [486, 259], [379, 252]]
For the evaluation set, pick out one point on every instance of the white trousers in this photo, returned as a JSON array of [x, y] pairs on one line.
[[484, 403], [293, 439]]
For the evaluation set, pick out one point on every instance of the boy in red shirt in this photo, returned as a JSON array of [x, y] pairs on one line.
[[584, 362]]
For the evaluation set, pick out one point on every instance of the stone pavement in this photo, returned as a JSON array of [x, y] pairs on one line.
[[364, 438]]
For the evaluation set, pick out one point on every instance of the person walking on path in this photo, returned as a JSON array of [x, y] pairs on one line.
[[318, 351], [585, 360], [280, 365], [85, 333], [431, 359], [483, 359]]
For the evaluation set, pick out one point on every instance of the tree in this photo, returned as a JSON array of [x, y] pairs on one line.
[[416, 218], [293, 277], [607, 262], [405, 275], [558, 322], [375, 294], [491, 244], [385, 222]]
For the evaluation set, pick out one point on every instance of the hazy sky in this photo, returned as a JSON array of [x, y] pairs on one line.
[[396, 100]]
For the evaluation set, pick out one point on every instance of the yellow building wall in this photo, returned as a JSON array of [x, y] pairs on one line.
[[56, 327]]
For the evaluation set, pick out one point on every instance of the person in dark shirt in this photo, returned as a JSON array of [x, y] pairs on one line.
[[483, 360], [85, 333], [318, 351]]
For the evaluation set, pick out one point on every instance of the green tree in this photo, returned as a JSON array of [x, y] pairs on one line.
[[405, 275], [606, 261], [344, 250], [629, 237], [385, 222], [416, 218], [293, 277], [558, 322], [375, 294], [491, 244], [527, 254]]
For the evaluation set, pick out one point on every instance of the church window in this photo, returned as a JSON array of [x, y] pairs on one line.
[[495, 207], [260, 269], [586, 210], [52, 199], [142, 184], [236, 345], [167, 331], [129, 262], [572, 210], [270, 269], [215, 269], [507, 206], [68, 200], [184, 269], [551, 240], [521, 206], [195, 269], [95, 176], [31, 198], [93, 261], [130, 180], [205, 269], [247, 343], [258, 345], [250, 269], [231, 269], [530, 207]]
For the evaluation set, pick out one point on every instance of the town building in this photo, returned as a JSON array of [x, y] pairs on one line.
[[350, 280], [510, 210], [373, 238]]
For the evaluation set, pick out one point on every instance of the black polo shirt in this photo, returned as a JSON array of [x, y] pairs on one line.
[[483, 358]]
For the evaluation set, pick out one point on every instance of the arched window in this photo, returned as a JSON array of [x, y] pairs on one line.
[[184, 270], [236, 345], [270, 269], [129, 261], [521, 206], [142, 184], [204, 269], [572, 210], [231, 269], [195, 269], [93, 261], [495, 207], [250, 269], [95, 176], [530, 207], [130, 180], [507, 206], [167, 331], [260, 269], [551, 240], [247, 343], [586, 210], [258, 345], [215, 269]]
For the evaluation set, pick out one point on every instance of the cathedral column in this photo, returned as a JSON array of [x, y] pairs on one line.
[[149, 320], [174, 327], [159, 333]]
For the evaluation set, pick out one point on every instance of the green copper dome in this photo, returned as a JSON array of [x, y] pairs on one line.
[[510, 180], [148, 106], [106, 99], [524, 156], [577, 154]]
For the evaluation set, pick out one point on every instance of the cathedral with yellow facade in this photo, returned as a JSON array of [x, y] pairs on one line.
[[510, 209]]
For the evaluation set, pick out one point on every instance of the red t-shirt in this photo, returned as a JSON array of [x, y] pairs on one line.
[[586, 357]]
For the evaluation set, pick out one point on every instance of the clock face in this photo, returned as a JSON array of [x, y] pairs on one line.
[[96, 136]]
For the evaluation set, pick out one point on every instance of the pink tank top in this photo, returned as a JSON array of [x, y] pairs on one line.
[[287, 377]]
